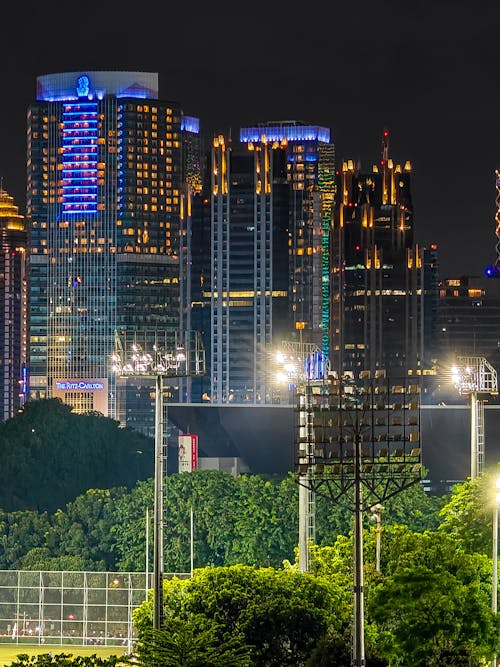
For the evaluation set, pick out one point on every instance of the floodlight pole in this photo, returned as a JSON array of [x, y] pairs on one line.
[[494, 578], [165, 361], [473, 434], [359, 598], [158, 508]]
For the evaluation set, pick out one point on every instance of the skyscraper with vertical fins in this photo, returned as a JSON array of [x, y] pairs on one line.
[[377, 270]]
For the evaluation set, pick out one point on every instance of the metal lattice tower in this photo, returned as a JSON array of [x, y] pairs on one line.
[[359, 434], [474, 377]]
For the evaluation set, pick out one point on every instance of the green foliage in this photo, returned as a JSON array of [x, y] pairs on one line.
[[280, 614], [468, 514], [433, 600], [194, 642], [50, 456]]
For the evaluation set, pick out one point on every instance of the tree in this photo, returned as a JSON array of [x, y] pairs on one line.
[[433, 600], [468, 513], [281, 614], [193, 642], [50, 456]]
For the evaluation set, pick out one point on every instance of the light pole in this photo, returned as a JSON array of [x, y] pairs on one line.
[[365, 434], [476, 378], [377, 517], [302, 366], [169, 357], [494, 586]]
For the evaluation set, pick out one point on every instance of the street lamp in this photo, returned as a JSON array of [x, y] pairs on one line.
[[377, 517], [494, 587], [476, 378], [157, 354]]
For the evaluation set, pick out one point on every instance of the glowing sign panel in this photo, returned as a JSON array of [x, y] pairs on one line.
[[78, 385]]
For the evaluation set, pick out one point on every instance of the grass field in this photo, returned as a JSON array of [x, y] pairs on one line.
[[8, 652]]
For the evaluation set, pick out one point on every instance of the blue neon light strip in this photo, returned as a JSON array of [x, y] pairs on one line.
[[282, 132], [80, 156], [190, 124]]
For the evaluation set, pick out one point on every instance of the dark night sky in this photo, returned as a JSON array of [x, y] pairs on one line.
[[425, 69]]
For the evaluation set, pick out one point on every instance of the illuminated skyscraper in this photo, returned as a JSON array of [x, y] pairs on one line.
[[106, 188], [377, 270], [271, 196], [13, 334]]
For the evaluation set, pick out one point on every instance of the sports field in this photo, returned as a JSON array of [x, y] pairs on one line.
[[8, 652]]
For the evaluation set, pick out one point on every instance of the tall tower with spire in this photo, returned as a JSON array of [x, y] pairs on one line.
[[377, 284], [13, 305]]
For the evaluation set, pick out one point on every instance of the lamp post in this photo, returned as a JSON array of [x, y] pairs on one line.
[[476, 378], [377, 517], [302, 366], [169, 357], [365, 434], [494, 586]]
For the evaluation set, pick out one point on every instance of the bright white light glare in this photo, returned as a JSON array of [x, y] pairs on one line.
[[498, 482], [281, 377], [290, 368], [280, 357]]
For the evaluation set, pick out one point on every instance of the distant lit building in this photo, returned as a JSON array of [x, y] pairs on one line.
[[377, 285], [13, 295], [469, 318], [110, 171], [271, 203]]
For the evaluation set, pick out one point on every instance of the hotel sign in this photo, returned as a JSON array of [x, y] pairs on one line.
[[96, 390]]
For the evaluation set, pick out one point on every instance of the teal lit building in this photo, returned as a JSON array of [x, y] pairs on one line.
[[110, 169]]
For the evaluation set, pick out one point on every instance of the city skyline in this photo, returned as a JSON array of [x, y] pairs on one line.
[[425, 73]]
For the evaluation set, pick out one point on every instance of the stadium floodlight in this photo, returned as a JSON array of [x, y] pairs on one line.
[[157, 355], [474, 377], [365, 432]]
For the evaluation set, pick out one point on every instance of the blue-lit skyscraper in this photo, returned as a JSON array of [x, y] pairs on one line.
[[106, 187]]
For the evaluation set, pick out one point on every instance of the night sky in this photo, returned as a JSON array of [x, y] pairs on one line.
[[426, 70]]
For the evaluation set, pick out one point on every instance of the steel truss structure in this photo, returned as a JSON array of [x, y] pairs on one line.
[[354, 434]]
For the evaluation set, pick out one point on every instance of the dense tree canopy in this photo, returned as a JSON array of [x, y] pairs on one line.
[[280, 615], [51, 455]]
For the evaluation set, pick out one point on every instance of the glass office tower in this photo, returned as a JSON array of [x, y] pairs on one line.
[[105, 203]]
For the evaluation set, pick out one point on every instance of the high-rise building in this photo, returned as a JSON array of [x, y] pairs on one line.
[[13, 294], [468, 319], [377, 270], [271, 201], [110, 167]]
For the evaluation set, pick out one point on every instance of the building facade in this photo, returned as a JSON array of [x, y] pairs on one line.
[[107, 208], [271, 200], [377, 286], [13, 303]]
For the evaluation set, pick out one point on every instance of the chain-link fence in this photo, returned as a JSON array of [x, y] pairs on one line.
[[70, 608]]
